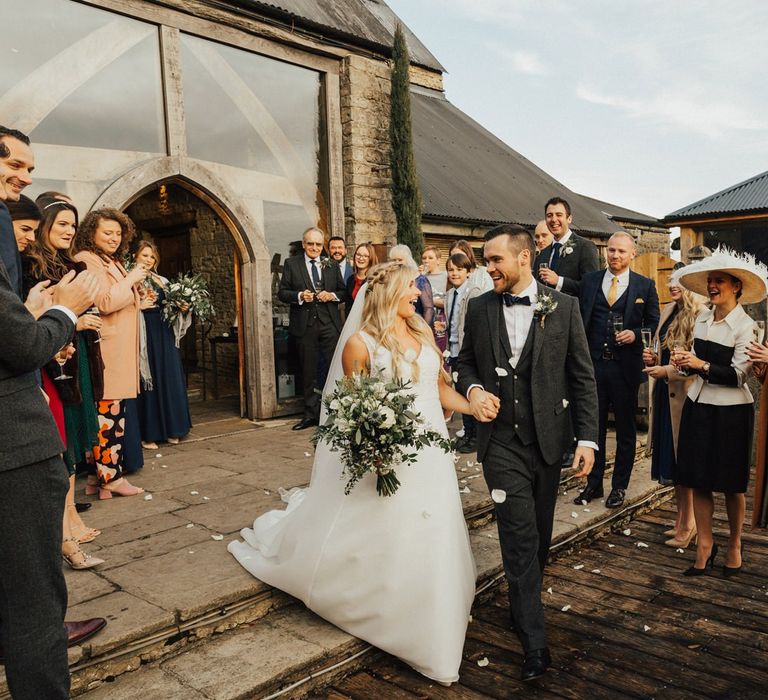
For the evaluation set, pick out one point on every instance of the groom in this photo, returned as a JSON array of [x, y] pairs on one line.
[[532, 388]]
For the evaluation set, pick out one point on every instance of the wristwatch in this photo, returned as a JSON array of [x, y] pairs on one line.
[[705, 368]]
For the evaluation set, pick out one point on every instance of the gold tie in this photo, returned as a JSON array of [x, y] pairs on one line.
[[613, 291]]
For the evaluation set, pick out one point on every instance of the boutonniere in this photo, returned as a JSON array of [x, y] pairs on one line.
[[544, 306], [568, 246], [325, 263]]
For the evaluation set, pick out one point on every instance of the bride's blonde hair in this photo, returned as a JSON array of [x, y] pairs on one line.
[[387, 283]]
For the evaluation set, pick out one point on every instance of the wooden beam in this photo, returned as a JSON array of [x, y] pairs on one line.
[[722, 220], [173, 91], [34, 97]]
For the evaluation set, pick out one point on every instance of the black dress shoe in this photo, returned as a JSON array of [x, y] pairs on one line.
[[588, 494], [78, 632], [82, 507], [615, 498], [305, 423], [468, 445], [535, 663]]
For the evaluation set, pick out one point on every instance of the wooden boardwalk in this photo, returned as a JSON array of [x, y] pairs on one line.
[[623, 622]]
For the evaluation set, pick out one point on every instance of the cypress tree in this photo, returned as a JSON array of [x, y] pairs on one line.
[[406, 200]]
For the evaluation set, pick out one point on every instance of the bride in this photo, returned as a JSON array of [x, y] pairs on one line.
[[395, 571]]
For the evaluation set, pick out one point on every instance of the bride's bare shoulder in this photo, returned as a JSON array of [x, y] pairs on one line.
[[355, 355]]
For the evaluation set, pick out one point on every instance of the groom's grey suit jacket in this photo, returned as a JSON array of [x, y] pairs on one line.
[[562, 381], [29, 434]]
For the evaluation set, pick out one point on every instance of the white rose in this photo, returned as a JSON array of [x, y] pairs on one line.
[[341, 424], [389, 417], [334, 405]]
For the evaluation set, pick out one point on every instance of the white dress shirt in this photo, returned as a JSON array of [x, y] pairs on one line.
[[452, 315], [308, 265], [562, 241], [623, 282], [518, 319]]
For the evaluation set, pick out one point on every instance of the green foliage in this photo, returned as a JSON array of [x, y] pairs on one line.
[[406, 200]]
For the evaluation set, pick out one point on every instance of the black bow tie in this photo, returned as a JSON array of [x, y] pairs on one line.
[[511, 300]]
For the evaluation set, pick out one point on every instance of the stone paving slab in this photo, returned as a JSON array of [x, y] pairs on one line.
[[238, 512], [154, 683]]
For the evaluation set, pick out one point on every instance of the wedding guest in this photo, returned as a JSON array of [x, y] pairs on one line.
[[758, 353], [425, 306], [25, 215], [438, 280], [569, 257], [462, 289], [337, 251], [362, 261], [479, 275], [101, 241], [164, 405], [715, 445], [668, 391], [48, 259], [542, 236]]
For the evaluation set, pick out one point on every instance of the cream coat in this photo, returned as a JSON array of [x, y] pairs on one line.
[[118, 302], [678, 386]]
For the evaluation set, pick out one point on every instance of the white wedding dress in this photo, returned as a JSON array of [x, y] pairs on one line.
[[395, 571]]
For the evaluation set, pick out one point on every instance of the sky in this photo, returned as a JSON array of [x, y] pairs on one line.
[[647, 104]]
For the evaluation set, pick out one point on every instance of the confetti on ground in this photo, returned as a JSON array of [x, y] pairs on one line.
[[164, 466], [267, 492], [641, 545], [574, 514], [584, 502], [190, 525], [595, 571], [217, 537], [148, 497], [587, 510], [483, 662], [611, 546], [465, 490], [626, 532], [565, 608], [579, 567], [470, 463], [463, 469], [646, 628], [206, 498], [549, 590], [680, 551], [474, 476], [158, 455], [306, 454], [194, 493]]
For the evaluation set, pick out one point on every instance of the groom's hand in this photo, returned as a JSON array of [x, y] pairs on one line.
[[583, 460], [483, 405]]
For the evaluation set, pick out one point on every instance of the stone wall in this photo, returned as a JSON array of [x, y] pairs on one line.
[[368, 215]]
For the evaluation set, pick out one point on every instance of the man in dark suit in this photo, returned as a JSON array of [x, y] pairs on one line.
[[33, 487], [569, 257], [524, 354], [615, 305], [337, 250], [314, 288]]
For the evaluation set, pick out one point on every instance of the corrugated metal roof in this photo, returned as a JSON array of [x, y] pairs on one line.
[[744, 197], [622, 213], [467, 174], [368, 22]]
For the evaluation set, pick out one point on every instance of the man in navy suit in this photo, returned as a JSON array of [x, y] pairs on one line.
[[314, 288], [337, 250], [616, 304], [565, 261]]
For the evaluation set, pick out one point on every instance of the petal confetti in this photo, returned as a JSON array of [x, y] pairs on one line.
[[483, 662], [194, 493], [502, 372], [498, 495], [641, 545], [565, 608], [148, 497], [579, 567], [626, 532], [217, 537], [646, 628]]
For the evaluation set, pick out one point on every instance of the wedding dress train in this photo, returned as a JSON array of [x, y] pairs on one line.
[[395, 571]]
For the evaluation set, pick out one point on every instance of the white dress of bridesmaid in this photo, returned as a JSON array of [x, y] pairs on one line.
[[395, 571]]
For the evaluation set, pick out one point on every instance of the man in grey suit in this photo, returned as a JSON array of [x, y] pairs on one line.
[[569, 257], [533, 388], [33, 487]]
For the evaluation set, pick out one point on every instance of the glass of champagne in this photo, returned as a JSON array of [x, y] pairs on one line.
[[758, 331], [61, 360], [647, 336], [618, 326], [94, 311], [676, 350]]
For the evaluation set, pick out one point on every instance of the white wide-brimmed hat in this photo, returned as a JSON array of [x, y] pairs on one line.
[[753, 275]]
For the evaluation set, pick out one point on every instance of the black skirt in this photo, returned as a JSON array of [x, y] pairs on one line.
[[715, 447]]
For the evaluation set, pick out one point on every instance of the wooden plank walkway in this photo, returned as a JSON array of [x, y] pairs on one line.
[[635, 628]]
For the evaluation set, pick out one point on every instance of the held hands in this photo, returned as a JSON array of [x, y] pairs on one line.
[[548, 276], [583, 460], [76, 293], [483, 405]]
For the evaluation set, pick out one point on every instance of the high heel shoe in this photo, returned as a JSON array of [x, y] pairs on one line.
[[87, 562], [729, 571], [672, 532], [682, 542], [693, 571], [89, 534], [120, 488], [91, 485]]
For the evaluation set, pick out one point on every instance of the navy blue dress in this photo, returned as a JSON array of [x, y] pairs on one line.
[[163, 411], [663, 458]]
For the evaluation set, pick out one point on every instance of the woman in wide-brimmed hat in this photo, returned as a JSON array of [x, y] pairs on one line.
[[715, 442]]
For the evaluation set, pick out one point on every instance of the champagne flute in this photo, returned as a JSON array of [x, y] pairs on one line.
[[543, 266], [758, 331], [94, 311], [61, 359], [646, 335], [618, 326], [682, 371]]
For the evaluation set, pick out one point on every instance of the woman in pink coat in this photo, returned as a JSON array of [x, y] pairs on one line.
[[101, 240]]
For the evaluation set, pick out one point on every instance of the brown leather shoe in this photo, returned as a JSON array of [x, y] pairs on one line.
[[78, 632]]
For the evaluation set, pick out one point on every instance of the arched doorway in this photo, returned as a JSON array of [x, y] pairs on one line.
[[237, 239]]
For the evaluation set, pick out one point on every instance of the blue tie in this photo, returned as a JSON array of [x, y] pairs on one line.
[[511, 300], [315, 274], [555, 255]]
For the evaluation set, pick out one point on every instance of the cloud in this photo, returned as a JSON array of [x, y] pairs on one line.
[[694, 113], [520, 60]]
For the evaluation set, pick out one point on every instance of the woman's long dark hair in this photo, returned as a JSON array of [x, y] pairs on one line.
[[46, 262]]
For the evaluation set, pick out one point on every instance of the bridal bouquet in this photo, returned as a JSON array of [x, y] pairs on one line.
[[188, 292], [371, 422]]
